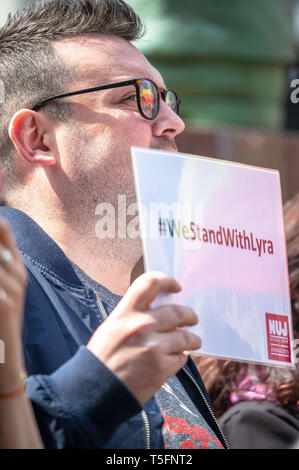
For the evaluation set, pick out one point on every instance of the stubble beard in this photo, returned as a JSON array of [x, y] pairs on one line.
[[81, 211], [114, 180]]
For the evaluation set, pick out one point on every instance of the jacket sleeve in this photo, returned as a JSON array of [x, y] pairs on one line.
[[81, 404]]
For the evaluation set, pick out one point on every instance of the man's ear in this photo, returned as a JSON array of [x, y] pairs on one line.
[[28, 131]]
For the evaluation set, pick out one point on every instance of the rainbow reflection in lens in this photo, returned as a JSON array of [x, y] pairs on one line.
[[148, 98], [171, 100]]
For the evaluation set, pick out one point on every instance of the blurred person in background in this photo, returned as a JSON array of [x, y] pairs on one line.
[[258, 406], [18, 429]]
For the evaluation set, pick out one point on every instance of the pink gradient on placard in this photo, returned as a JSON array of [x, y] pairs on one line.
[[255, 212]]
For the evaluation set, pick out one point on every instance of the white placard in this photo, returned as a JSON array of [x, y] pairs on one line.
[[217, 228]]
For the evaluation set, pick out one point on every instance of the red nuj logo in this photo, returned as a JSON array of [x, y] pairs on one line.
[[278, 337]]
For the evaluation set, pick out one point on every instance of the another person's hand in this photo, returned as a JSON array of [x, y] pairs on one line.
[[18, 429], [13, 281], [143, 346]]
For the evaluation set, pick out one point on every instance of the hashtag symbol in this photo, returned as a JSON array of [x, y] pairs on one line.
[[162, 227]]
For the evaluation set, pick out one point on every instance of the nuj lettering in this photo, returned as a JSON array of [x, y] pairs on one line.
[[277, 328]]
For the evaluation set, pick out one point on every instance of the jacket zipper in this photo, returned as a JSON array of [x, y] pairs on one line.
[[143, 413], [207, 405], [101, 306], [147, 430]]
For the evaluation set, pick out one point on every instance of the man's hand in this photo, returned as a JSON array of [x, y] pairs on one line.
[[143, 347]]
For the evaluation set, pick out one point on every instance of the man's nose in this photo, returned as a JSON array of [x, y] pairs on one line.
[[167, 123]]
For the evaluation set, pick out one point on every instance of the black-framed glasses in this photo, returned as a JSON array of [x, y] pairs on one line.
[[147, 93]]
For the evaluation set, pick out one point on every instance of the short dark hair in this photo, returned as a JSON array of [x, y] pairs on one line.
[[30, 69]]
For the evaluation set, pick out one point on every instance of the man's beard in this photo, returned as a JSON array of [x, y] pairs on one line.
[[164, 143], [114, 180]]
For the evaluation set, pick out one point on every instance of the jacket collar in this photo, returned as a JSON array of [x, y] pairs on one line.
[[33, 241]]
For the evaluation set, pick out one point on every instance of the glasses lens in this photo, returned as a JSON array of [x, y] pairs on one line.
[[172, 101], [149, 98]]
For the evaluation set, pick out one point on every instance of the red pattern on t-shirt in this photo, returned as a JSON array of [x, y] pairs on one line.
[[197, 433]]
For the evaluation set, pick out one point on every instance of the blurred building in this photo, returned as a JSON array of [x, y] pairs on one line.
[[228, 59]]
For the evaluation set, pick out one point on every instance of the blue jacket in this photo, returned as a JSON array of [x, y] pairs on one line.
[[78, 401]]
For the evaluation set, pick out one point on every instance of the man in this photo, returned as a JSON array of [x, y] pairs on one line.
[[69, 154]]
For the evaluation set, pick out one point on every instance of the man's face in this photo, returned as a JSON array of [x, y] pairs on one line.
[[93, 149]]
